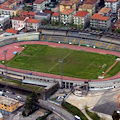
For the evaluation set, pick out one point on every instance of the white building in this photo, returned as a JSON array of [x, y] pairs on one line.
[[4, 22], [113, 4], [39, 4]]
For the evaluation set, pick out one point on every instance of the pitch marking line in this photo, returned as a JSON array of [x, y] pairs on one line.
[[58, 63]]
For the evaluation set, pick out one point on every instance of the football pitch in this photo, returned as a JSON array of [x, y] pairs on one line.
[[78, 64]]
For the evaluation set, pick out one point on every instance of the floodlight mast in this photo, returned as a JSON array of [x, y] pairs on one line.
[[5, 52], [61, 61]]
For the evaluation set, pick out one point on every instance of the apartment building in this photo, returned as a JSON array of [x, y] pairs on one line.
[[98, 21], [67, 5], [18, 23], [8, 105], [81, 19], [40, 4], [105, 11], [9, 3], [119, 14], [87, 7], [67, 16], [32, 24], [113, 4], [55, 17], [4, 22]]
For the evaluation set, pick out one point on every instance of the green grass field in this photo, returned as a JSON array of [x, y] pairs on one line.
[[79, 64]]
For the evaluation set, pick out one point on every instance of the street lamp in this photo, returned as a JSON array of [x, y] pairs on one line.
[[5, 52], [61, 61]]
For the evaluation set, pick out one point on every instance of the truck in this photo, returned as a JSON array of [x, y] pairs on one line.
[[77, 117]]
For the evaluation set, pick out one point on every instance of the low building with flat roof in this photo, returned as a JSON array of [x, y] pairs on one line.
[[8, 105]]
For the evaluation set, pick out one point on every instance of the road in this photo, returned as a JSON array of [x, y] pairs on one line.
[[57, 109]]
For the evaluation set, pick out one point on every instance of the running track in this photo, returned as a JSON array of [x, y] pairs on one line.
[[15, 47]]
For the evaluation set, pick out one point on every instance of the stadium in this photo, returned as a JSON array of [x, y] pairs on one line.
[[65, 46]]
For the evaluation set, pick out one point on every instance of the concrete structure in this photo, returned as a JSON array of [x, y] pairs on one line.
[[39, 4], [67, 16], [8, 105], [81, 18], [87, 7], [41, 16], [18, 23], [55, 17], [105, 11], [4, 22], [98, 21], [32, 24], [67, 5], [113, 4]]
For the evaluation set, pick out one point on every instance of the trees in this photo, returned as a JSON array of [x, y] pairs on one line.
[[115, 115], [30, 104]]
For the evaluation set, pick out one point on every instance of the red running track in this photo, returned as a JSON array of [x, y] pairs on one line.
[[16, 48]]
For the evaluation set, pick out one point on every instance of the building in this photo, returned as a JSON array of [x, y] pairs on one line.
[[9, 3], [105, 11], [10, 11], [87, 7], [32, 24], [39, 4], [119, 14], [98, 21], [48, 12], [8, 105], [2, 1], [93, 2], [42, 16], [18, 23], [67, 5], [28, 14], [1, 116], [81, 19], [113, 4], [55, 17], [4, 22], [117, 25], [67, 16]]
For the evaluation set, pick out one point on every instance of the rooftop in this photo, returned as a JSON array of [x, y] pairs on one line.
[[2, 17], [91, 1], [48, 11], [7, 101], [1, 116], [87, 6], [81, 13], [8, 2], [67, 3], [104, 10], [39, 1], [19, 18], [30, 13], [68, 11], [42, 14], [97, 16], [111, 0], [29, 20], [56, 14]]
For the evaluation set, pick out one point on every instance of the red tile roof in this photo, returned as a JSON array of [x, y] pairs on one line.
[[12, 31], [68, 11], [68, 3], [97, 16], [81, 13], [6, 8], [29, 20], [48, 11], [19, 18], [8, 2], [30, 13], [91, 2], [56, 14], [39, 1]]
